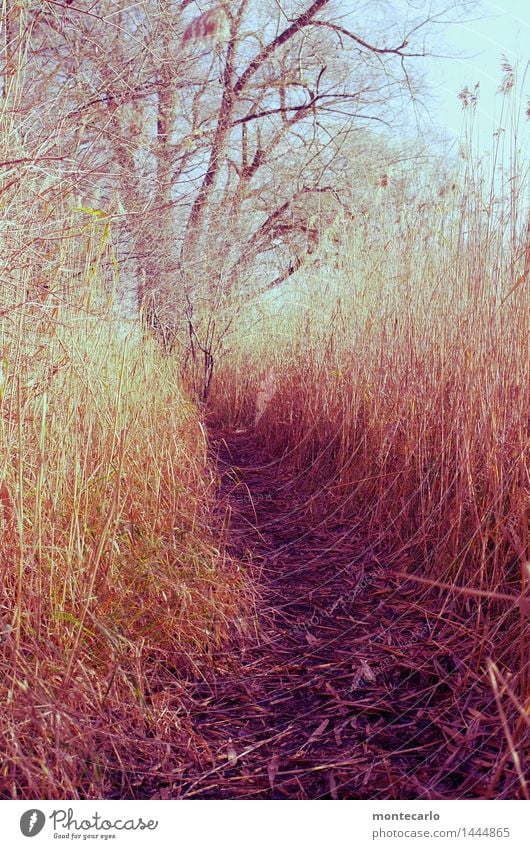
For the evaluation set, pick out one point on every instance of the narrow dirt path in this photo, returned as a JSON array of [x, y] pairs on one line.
[[347, 691]]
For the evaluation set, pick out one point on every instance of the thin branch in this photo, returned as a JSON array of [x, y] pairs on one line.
[[397, 51], [302, 21], [254, 116]]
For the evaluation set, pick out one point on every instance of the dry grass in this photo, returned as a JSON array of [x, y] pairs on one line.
[[115, 585], [400, 376], [406, 395], [116, 589], [396, 386], [402, 398]]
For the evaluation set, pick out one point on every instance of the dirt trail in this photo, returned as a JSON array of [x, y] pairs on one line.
[[347, 689]]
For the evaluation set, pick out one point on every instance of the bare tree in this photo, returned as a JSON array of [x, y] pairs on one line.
[[215, 138]]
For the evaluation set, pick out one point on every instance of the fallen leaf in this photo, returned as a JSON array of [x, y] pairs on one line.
[[367, 673], [231, 754], [318, 731], [342, 709], [272, 769]]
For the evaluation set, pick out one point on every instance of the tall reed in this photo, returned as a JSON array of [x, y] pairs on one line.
[[115, 585], [402, 373]]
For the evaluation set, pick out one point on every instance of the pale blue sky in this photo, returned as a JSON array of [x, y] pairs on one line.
[[498, 28]]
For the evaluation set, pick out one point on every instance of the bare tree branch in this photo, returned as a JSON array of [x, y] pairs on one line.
[[302, 21]]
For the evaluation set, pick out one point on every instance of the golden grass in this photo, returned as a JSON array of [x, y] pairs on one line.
[[115, 587]]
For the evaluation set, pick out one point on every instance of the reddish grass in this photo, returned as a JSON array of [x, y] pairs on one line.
[[403, 402]]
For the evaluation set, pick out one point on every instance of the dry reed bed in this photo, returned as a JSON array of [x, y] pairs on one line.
[[397, 387], [403, 389], [115, 587]]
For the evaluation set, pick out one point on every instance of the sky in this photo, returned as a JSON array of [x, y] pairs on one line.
[[476, 47]]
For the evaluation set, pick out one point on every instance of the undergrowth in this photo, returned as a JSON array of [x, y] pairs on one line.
[[116, 586]]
